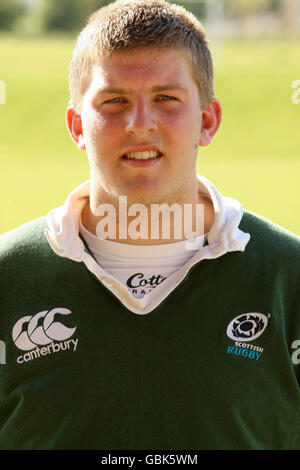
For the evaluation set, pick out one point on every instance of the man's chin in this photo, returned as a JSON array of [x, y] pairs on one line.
[[143, 199], [145, 194]]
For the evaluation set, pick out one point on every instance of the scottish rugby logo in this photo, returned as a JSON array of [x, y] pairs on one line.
[[247, 327], [41, 329]]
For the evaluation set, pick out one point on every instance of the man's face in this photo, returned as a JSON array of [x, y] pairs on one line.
[[142, 101]]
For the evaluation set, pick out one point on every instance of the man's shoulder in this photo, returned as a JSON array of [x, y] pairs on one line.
[[25, 239], [269, 237]]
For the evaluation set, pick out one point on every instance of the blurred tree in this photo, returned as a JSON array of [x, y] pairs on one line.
[[10, 10], [93, 5], [68, 15], [65, 15], [245, 7], [289, 14], [197, 8]]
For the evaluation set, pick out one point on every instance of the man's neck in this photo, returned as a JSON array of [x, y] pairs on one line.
[[181, 221]]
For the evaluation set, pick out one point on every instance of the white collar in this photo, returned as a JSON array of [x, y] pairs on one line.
[[225, 236]]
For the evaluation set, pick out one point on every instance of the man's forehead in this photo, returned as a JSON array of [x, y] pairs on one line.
[[117, 71]]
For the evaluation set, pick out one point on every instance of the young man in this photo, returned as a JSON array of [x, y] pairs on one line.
[[183, 340]]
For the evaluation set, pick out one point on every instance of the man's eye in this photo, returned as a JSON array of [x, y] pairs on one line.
[[115, 100], [166, 98]]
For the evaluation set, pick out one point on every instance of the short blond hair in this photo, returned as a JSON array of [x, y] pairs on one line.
[[129, 25]]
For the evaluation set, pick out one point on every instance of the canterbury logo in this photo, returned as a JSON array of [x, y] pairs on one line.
[[41, 329]]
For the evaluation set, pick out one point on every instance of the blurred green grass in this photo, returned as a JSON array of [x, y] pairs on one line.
[[255, 156]]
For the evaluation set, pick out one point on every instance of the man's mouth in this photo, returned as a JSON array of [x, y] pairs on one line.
[[146, 155]]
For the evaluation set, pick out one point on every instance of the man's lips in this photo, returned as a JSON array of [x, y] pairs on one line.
[[142, 147], [140, 163], [142, 155]]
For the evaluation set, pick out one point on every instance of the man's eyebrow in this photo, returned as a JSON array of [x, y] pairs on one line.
[[171, 86], [125, 91], [113, 91]]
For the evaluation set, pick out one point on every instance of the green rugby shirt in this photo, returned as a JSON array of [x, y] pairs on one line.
[[214, 366]]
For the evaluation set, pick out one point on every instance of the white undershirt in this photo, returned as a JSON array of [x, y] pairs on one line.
[[140, 268]]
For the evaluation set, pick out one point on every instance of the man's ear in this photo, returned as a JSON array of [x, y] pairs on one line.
[[211, 120], [74, 125]]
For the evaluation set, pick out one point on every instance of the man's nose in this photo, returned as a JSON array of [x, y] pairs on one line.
[[141, 119]]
